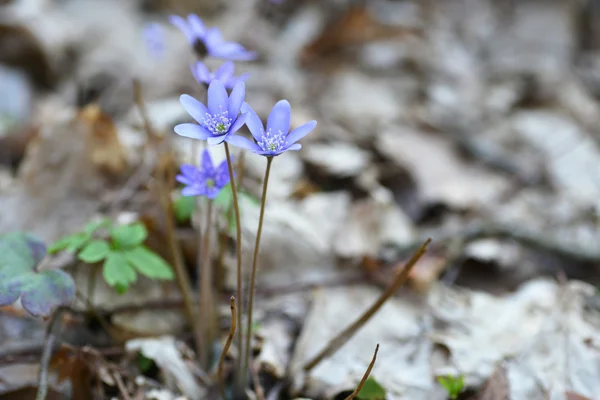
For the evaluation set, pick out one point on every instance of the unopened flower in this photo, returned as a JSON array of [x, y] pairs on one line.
[[207, 180], [155, 39], [220, 119], [225, 74], [209, 41], [277, 138]]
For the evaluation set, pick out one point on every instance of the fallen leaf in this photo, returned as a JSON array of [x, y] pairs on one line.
[[496, 387]]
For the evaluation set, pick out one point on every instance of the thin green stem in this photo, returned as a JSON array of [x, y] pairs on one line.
[[238, 232], [263, 201], [206, 312]]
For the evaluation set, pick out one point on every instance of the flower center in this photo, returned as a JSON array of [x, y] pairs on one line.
[[272, 141], [217, 124], [210, 183], [200, 48]]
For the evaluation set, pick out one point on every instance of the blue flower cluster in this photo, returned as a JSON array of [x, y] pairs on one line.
[[225, 113]]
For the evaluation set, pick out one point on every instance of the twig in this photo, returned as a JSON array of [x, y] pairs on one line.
[[263, 201], [226, 347], [238, 234], [365, 376], [258, 389], [47, 354], [121, 386], [338, 341], [92, 310]]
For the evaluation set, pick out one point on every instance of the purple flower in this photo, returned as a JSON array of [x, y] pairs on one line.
[[224, 74], [277, 138], [209, 41], [155, 39], [222, 117], [205, 181]]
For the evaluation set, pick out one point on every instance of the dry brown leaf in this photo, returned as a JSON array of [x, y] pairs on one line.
[[496, 387], [72, 365], [575, 396]]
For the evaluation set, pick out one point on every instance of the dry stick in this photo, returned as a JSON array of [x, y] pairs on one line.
[[254, 261], [226, 348], [46, 355], [238, 231], [258, 389], [365, 376], [205, 297], [121, 386], [338, 341]]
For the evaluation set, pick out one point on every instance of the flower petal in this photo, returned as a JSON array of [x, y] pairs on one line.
[[225, 71], [253, 122], [300, 132], [243, 143], [236, 99], [222, 174], [182, 25], [188, 170], [214, 140], [183, 179], [196, 25], [201, 72], [193, 131], [212, 192], [217, 97], [207, 163], [235, 79], [294, 147], [193, 191], [196, 109], [239, 122], [279, 118]]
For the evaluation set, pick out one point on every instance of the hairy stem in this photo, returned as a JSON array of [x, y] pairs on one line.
[[42, 391], [238, 233], [365, 376], [226, 347], [206, 312], [263, 201], [338, 341]]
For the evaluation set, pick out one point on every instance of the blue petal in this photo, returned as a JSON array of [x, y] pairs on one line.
[[225, 71], [253, 122], [300, 132], [212, 192], [196, 25], [242, 142], [201, 72], [182, 25], [294, 147], [183, 179], [188, 170], [222, 174], [214, 140], [207, 163], [279, 118], [236, 99], [239, 122], [196, 109], [193, 191], [193, 131], [217, 97]]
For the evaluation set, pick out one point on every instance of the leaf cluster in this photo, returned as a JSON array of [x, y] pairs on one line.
[[453, 385]]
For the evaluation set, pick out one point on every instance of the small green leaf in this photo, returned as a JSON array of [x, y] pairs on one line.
[[144, 363], [149, 263], [454, 386], [121, 288], [94, 251], [93, 226], [70, 243], [117, 270], [40, 292], [184, 207], [128, 236], [372, 390]]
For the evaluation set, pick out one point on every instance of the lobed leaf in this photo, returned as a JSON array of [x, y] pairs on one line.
[[94, 251], [128, 236], [117, 271], [149, 263]]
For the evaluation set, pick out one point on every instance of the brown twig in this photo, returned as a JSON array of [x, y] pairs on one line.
[[334, 344], [365, 376], [258, 389], [121, 386], [226, 347]]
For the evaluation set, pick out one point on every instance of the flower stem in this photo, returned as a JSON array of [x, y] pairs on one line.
[[254, 261], [226, 348], [206, 314], [238, 231]]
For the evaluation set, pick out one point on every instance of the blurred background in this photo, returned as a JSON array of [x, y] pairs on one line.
[[473, 122]]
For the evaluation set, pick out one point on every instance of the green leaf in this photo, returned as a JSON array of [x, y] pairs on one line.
[[184, 207], [372, 390], [70, 243], [454, 386], [128, 236], [149, 263], [144, 363], [93, 226], [117, 270], [94, 251], [40, 292]]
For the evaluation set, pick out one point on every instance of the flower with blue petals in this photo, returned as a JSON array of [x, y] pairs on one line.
[[209, 41], [218, 121], [276, 138], [225, 74], [207, 180]]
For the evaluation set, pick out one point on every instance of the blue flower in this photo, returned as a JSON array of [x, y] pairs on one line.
[[209, 41], [155, 39], [222, 117], [205, 181], [277, 138], [224, 74]]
